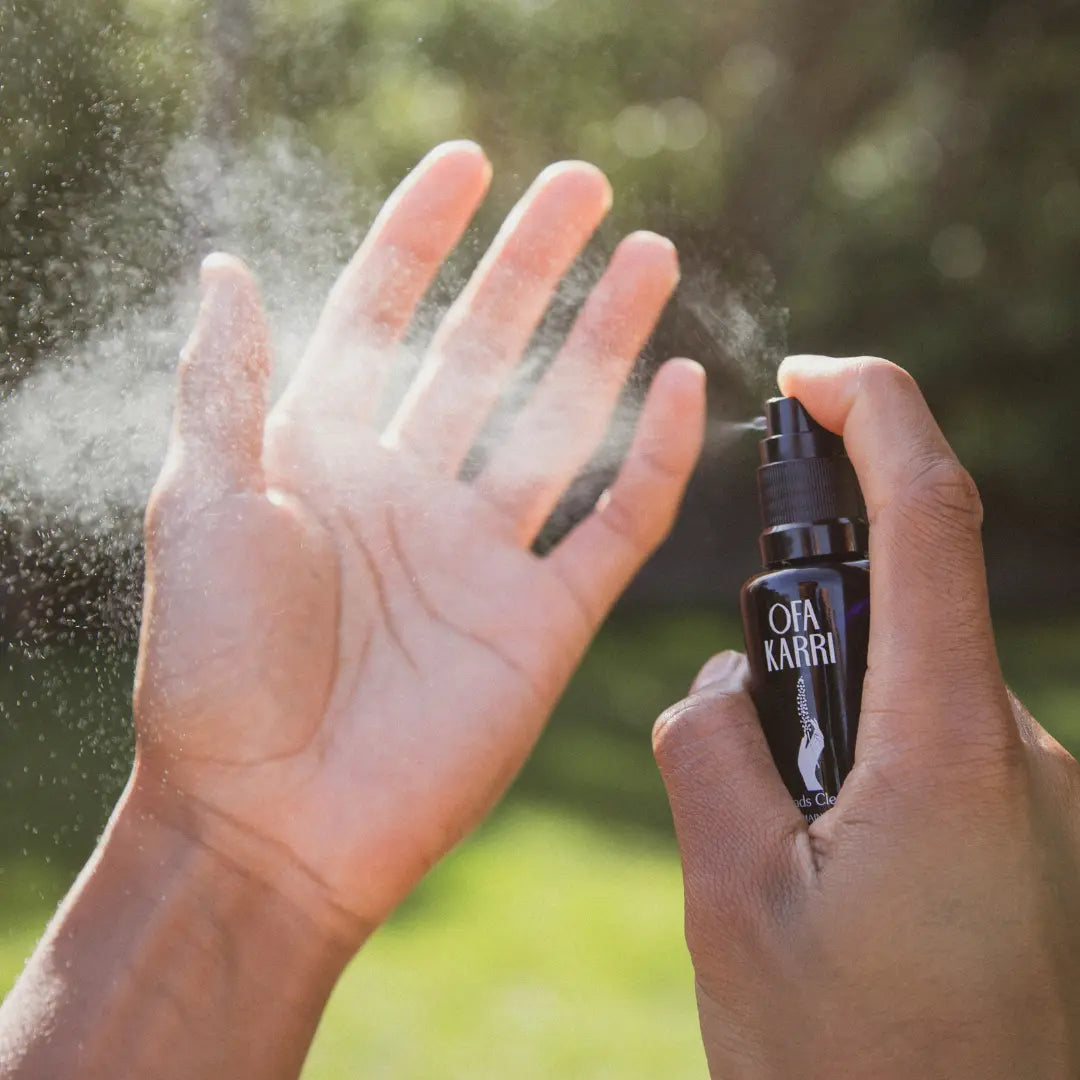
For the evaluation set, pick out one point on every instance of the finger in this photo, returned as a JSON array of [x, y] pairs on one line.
[[741, 837], [369, 308], [600, 556], [567, 416], [932, 645], [221, 397], [486, 330]]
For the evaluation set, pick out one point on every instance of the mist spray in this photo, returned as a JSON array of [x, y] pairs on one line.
[[807, 616]]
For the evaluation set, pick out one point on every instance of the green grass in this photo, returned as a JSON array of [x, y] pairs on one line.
[[545, 946], [542, 948], [29, 891], [550, 944]]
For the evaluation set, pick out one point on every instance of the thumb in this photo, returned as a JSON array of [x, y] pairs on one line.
[[221, 394], [740, 835]]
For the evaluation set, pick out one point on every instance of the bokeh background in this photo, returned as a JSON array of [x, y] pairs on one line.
[[898, 177]]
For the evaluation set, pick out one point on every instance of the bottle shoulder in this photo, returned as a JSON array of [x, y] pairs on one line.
[[852, 574]]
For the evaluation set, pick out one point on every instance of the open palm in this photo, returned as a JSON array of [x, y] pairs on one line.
[[348, 651]]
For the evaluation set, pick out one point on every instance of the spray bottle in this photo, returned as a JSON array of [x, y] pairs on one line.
[[807, 616]]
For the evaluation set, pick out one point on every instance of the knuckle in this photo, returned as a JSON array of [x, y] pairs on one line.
[[189, 350], [645, 522], [684, 725], [191, 361], [630, 523], [999, 770], [991, 762], [290, 443], [152, 519], [281, 425], [163, 504], [881, 377], [682, 732], [659, 464], [943, 492], [667, 732]]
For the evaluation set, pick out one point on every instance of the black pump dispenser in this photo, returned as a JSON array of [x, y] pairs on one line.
[[807, 617], [811, 505]]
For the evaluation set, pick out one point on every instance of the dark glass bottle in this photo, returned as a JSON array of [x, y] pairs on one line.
[[807, 617]]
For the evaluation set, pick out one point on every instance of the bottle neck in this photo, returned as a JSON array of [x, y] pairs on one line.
[[837, 540]]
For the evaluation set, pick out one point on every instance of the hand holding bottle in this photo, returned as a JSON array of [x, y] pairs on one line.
[[923, 926], [807, 614]]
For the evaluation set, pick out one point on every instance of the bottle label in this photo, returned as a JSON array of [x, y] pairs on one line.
[[799, 641], [813, 742], [815, 800], [807, 631]]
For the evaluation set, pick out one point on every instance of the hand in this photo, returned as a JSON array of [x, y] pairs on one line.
[[347, 652], [925, 925]]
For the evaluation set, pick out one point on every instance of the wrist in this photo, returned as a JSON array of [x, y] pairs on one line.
[[246, 866], [250, 911], [237, 944], [168, 958]]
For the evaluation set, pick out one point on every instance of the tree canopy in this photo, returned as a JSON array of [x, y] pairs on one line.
[[893, 177]]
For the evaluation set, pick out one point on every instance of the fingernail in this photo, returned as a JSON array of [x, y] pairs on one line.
[[580, 172], [808, 362], [798, 360], [217, 262], [693, 369], [723, 668], [455, 146]]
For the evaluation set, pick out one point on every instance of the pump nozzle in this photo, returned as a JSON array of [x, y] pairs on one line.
[[811, 504]]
